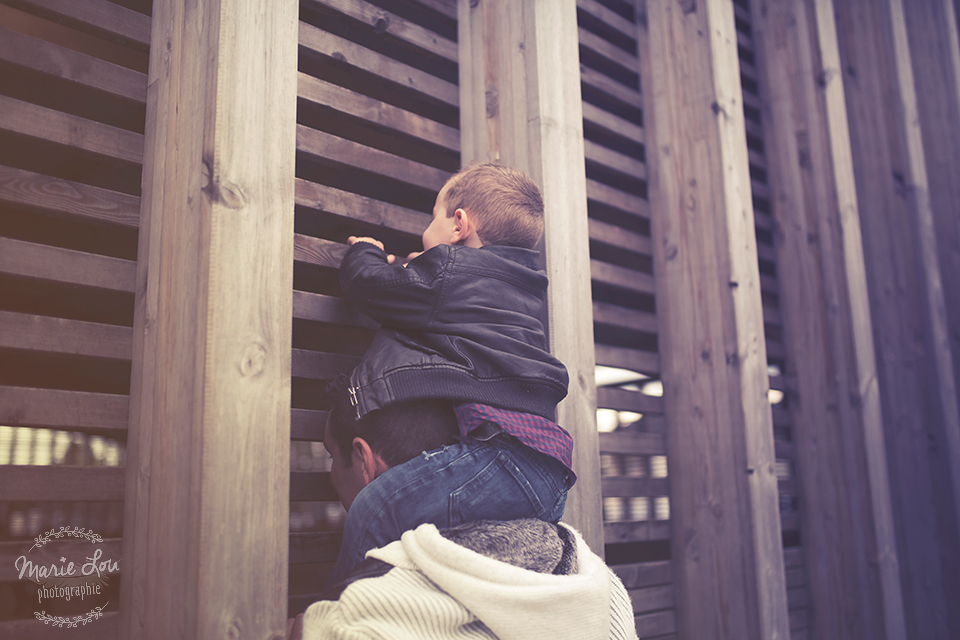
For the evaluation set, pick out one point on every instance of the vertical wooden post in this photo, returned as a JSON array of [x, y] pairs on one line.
[[935, 54], [206, 523], [520, 105], [847, 531], [726, 537], [915, 371]]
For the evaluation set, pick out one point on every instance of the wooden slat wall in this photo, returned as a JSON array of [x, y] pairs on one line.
[[377, 136], [632, 445], [72, 91], [787, 468]]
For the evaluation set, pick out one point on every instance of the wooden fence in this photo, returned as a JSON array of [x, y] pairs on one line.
[[752, 211]]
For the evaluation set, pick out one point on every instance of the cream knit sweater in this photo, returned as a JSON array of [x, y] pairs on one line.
[[441, 590]]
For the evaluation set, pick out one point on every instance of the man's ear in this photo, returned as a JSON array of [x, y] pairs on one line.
[[368, 462], [465, 229]]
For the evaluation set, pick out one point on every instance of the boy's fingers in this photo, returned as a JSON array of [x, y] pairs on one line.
[[351, 239], [413, 254], [391, 258]]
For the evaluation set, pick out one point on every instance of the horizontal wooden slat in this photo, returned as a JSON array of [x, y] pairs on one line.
[[27, 407], [784, 450], [51, 553], [613, 315], [612, 123], [73, 198], [656, 624], [619, 237], [98, 17], [38, 122], [610, 158], [793, 557], [797, 598], [386, 22], [790, 521], [634, 444], [744, 40], [328, 146], [771, 315], [321, 308], [652, 598], [60, 62], [769, 283], [607, 49], [65, 265], [376, 111], [751, 101], [58, 335], [105, 628], [766, 252], [776, 350], [311, 486], [621, 277], [324, 253], [624, 400], [54, 482], [321, 366], [643, 531], [644, 574], [608, 17], [754, 128], [625, 487], [353, 54], [350, 205], [609, 86], [307, 424], [760, 190], [633, 359], [757, 159], [314, 547], [612, 197]]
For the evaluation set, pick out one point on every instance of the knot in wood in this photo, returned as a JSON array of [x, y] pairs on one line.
[[381, 25], [492, 101], [252, 360]]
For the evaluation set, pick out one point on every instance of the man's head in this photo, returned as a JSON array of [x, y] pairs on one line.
[[487, 204], [363, 449]]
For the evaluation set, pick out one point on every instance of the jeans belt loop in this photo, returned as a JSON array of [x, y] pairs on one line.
[[485, 431]]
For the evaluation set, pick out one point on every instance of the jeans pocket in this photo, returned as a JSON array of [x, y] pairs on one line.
[[500, 491]]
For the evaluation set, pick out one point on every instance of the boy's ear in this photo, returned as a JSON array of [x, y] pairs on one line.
[[368, 462], [465, 229]]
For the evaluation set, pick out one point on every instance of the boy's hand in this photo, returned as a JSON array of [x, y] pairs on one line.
[[355, 239]]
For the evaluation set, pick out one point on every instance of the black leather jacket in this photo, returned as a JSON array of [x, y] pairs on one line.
[[457, 323]]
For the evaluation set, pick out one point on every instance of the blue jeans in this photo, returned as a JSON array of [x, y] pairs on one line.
[[499, 479]]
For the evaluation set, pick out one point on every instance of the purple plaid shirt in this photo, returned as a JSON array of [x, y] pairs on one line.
[[536, 432]]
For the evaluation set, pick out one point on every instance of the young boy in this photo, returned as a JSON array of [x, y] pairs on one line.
[[461, 322]]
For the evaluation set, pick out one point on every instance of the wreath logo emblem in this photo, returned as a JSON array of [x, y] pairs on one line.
[[66, 572]]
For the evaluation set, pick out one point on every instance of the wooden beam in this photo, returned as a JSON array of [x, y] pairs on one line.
[[725, 521], [206, 522], [918, 390], [935, 54], [520, 105], [847, 524]]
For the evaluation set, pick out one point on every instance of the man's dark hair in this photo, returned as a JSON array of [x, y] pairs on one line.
[[397, 433]]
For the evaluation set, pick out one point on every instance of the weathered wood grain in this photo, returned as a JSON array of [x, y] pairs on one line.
[[827, 327], [327, 199], [34, 121], [358, 56], [99, 17], [51, 59], [208, 477], [386, 22], [55, 482], [376, 111], [59, 335], [65, 265], [312, 142], [66, 197], [53, 408], [726, 535]]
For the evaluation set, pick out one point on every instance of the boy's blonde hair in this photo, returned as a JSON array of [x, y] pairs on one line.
[[505, 203]]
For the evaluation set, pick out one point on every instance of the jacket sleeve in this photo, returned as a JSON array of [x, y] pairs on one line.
[[393, 295]]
